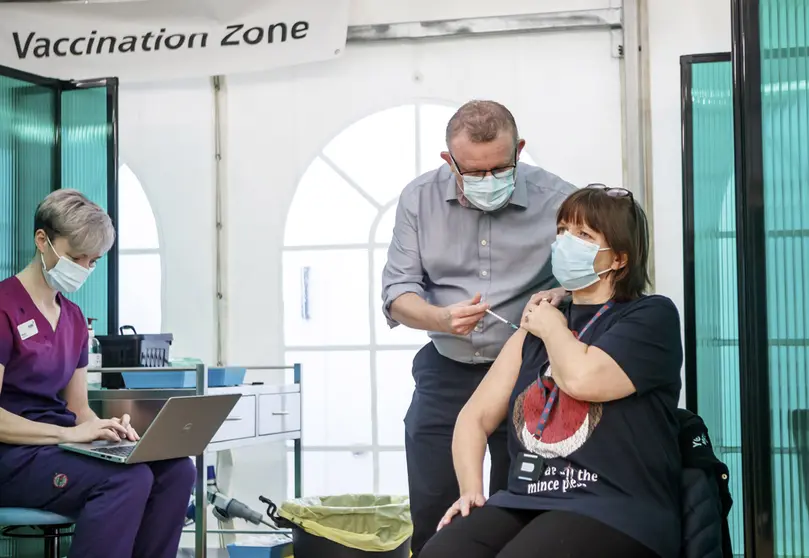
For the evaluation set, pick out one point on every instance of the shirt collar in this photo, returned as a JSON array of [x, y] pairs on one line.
[[518, 198]]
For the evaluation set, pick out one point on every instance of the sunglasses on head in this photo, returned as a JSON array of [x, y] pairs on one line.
[[612, 192]]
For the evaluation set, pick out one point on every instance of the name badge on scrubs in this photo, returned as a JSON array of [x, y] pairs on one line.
[[528, 467], [28, 329]]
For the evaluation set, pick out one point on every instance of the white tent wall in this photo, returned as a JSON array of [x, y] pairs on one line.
[[167, 139], [278, 124], [275, 124], [675, 28]]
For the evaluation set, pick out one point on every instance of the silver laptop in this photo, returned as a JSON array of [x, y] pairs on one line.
[[183, 427]]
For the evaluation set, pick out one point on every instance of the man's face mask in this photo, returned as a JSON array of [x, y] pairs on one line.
[[66, 276], [489, 194], [491, 191]]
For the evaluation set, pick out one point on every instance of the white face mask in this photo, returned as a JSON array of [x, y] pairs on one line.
[[66, 276]]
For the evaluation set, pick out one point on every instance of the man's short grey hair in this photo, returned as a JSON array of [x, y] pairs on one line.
[[71, 215], [482, 122]]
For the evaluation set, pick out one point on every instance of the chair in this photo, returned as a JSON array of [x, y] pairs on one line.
[[701, 516], [52, 526]]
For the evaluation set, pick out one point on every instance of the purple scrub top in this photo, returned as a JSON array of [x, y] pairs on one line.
[[39, 361]]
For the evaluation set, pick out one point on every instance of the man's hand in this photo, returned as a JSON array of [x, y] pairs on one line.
[[554, 296], [461, 318]]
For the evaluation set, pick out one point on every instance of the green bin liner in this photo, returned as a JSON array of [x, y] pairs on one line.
[[361, 521]]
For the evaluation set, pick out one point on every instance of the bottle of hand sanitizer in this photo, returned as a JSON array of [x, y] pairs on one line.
[[94, 357]]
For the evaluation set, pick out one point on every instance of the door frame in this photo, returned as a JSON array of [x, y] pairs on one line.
[[689, 272], [754, 372]]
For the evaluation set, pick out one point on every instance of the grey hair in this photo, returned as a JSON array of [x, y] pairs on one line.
[[71, 215], [482, 121]]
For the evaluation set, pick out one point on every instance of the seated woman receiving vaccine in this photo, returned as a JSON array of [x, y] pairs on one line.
[[589, 392]]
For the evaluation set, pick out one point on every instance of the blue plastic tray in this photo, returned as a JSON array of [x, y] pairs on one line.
[[217, 377], [279, 551]]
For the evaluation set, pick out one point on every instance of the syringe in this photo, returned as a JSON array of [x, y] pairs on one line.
[[502, 319]]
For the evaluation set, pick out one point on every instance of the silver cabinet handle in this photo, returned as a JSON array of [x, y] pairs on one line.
[[280, 413], [233, 419]]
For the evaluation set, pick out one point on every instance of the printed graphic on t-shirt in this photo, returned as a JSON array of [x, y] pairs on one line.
[[569, 426], [563, 480]]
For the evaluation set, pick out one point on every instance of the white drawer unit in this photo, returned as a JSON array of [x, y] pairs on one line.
[[279, 413], [241, 422]]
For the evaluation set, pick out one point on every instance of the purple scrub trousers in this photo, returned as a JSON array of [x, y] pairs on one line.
[[121, 511]]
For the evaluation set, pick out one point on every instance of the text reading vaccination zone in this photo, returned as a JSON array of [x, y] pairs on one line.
[[34, 45]]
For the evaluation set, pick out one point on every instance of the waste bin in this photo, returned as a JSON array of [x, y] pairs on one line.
[[350, 526]]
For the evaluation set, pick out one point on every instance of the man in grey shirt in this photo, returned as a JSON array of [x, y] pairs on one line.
[[473, 235]]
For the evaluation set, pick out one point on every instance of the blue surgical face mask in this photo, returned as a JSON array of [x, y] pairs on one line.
[[573, 260], [490, 193], [66, 276]]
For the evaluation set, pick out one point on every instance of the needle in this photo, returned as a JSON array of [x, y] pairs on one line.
[[502, 319]]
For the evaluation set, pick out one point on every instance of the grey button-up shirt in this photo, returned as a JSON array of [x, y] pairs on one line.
[[445, 253]]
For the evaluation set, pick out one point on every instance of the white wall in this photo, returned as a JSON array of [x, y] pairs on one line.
[[167, 139], [675, 29], [268, 113], [277, 124]]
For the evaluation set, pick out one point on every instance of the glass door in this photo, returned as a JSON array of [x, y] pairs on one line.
[[28, 162], [58, 134], [88, 149], [784, 61], [711, 292]]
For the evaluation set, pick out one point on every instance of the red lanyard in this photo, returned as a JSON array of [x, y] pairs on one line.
[[554, 395]]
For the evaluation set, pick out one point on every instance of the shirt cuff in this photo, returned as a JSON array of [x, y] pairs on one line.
[[395, 291]]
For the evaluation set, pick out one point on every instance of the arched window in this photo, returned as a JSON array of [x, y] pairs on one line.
[[357, 381], [140, 274]]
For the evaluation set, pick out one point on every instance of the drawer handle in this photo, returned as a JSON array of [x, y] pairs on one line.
[[280, 413], [233, 419]]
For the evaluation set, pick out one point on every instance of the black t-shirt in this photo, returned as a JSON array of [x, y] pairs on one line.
[[617, 462]]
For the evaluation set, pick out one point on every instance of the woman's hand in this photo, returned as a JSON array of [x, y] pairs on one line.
[[554, 296], [543, 318], [130, 435], [93, 430], [464, 505]]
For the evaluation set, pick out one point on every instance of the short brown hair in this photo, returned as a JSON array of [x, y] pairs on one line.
[[614, 213], [482, 121]]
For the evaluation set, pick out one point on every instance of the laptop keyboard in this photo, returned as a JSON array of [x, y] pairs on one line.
[[118, 451]]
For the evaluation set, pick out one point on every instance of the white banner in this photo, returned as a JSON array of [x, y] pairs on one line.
[[164, 39]]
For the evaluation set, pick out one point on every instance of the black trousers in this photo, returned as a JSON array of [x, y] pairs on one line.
[[491, 532], [443, 386]]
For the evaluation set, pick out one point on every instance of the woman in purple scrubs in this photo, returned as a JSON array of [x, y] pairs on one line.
[[121, 511]]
